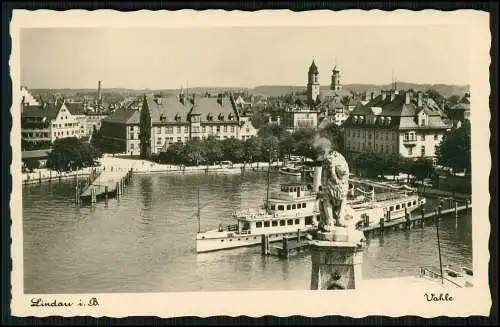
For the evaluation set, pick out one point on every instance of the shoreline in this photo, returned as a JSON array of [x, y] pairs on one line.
[[140, 167]]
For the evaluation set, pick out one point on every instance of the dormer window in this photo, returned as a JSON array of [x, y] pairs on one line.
[[221, 116], [177, 117], [356, 119], [422, 118], [230, 117], [381, 120], [163, 118], [210, 117], [388, 120]]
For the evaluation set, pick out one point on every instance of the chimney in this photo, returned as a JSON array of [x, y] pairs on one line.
[[442, 105], [393, 95], [407, 97], [419, 99], [372, 95]]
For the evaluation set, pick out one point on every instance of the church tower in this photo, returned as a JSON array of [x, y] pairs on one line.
[[336, 86], [312, 84]]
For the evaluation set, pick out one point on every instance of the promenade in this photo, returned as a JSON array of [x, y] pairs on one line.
[[138, 166]]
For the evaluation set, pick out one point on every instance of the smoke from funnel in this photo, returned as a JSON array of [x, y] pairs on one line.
[[322, 145]]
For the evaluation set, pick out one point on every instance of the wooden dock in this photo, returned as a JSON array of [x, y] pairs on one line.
[[415, 221], [106, 184], [289, 245]]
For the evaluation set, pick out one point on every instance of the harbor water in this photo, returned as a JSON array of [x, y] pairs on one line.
[[145, 241]]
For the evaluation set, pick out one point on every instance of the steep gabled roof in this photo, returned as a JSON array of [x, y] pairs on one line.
[[75, 108], [402, 115], [49, 110], [123, 116]]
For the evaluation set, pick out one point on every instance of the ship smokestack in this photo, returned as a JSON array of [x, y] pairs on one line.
[[317, 178]]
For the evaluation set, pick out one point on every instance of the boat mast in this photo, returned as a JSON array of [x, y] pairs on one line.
[[199, 210], [268, 180], [439, 244]]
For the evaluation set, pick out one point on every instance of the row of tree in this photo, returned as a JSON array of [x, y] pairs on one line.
[[71, 153], [272, 141]]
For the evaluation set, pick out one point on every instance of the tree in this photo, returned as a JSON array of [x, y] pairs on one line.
[[455, 149], [213, 150], [287, 144], [268, 144], [71, 154], [252, 149], [233, 150], [31, 164], [421, 168], [193, 152]]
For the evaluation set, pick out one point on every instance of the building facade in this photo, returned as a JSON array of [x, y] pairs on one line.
[[396, 123], [167, 120], [122, 129]]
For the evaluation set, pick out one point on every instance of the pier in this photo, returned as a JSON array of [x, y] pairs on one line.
[[289, 245], [415, 221], [105, 185]]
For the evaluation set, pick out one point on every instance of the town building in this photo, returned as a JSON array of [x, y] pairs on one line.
[[461, 111], [27, 98], [122, 128], [394, 122], [43, 124], [166, 120]]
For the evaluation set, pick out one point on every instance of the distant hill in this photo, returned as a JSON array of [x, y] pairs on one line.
[[263, 90], [444, 89]]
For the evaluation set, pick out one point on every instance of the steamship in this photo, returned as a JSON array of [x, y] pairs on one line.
[[294, 210]]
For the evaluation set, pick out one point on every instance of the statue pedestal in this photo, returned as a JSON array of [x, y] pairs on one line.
[[336, 264]]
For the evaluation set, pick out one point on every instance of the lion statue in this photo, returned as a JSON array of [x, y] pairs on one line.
[[335, 186]]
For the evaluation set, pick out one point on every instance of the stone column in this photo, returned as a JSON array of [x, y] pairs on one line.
[[337, 260]]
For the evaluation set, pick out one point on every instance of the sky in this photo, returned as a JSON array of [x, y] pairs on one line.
[[164, 58]]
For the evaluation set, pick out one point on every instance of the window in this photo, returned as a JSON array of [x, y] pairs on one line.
[[203, 129], [297, 221], [403, 205], [225, 128], [273, 207], [282, 223], [398, 207], [289, 222], [414, 202], [218, 129], [422, 151], [294, 206], [309, 220], [304, 205], [408, 204], [288, 207], [232, 128], [131, 128], [281, 207], [266, 224], [274, 223], [158, 141], [391, 208], [410, 151], [258, 224], [422, 137]]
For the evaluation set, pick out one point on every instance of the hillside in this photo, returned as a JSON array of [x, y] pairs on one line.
[[444, 89]]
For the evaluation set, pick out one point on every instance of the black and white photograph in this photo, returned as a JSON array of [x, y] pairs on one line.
[[248, 163]]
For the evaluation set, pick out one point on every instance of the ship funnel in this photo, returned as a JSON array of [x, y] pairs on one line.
[[317, 178]]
